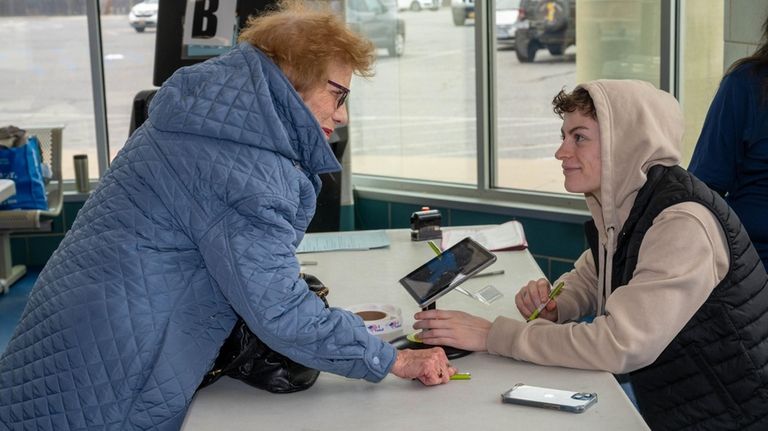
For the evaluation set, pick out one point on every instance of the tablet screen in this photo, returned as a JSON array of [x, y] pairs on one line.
[[441, 274]]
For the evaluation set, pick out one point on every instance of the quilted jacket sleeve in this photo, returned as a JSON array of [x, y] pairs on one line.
[[251, 257]]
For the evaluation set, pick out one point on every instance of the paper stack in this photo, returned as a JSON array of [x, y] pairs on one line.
[[506, 236]]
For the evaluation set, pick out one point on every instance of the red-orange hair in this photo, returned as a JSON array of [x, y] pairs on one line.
[[303, 41]]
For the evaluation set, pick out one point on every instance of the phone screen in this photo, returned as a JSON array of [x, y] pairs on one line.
[[442, 273], [557, 399]]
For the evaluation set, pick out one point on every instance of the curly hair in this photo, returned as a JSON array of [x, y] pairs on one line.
[[303, 41], [578, 100]]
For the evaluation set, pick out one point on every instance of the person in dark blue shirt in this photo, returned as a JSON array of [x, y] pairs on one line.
[[731, 155]]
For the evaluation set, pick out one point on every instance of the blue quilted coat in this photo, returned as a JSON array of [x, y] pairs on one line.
[[197, 219]]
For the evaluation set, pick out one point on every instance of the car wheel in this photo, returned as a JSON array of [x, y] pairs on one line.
[[415, 6], [528, 54], [458, 17], [555, 49], [397, 47]]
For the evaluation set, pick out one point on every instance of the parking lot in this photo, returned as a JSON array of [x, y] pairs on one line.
[[420, 106]]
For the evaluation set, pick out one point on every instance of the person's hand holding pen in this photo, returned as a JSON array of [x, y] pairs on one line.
[[536, 295]]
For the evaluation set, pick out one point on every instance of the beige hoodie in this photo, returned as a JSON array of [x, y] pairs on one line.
[[682, 258]]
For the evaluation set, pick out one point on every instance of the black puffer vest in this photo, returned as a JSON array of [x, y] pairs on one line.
[[714, 374]]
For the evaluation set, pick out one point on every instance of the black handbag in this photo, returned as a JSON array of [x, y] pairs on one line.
[[245, 357]]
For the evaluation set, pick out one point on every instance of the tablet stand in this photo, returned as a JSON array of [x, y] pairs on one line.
[[402, 342]]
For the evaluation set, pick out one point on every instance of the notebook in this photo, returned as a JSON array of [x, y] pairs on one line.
[[506, 236]]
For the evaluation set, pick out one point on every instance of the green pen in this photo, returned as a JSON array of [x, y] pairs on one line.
[[552, 295], [462, 376], [434, 247]]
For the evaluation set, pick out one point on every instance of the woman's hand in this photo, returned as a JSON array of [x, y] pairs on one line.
[[535, 293], [430, 366], [453, 328]]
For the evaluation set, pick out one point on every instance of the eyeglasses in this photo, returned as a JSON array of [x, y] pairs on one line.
[[342, 96]]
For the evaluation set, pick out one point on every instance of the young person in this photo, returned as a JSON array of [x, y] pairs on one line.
[[676, 286]]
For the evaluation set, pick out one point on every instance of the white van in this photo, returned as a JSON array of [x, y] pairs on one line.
[[417, 5]]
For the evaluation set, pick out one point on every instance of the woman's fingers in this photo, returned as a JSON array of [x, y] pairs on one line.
[[429, 366]]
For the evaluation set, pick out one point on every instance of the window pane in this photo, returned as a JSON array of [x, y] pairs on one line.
[[535, 58], [46, 73], [701, 65], [128, 40], [616, 39], [416, 118]]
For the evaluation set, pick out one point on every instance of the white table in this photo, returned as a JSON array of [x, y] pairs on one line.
[[338, 403]]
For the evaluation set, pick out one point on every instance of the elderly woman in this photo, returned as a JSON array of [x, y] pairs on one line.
[[197, 222]]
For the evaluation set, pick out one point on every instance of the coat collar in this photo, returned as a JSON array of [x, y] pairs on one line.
[[242, 96]]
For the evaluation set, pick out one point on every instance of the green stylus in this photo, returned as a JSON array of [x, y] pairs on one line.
[[552, 295], [434, 248], [462, 376]]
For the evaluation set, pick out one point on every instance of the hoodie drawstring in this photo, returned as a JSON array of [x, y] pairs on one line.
[[605, 279]]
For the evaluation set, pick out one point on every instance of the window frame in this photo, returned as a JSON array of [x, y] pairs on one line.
[[483, 196]]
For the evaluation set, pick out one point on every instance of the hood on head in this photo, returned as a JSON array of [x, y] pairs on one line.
[[640, 126]]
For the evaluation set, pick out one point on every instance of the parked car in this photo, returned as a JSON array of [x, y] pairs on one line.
[[462, 10], [551, 26], [143, 15], [507, 22], [417, 5], [378, 23]]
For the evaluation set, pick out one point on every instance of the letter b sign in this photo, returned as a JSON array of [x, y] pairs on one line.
[[204, 19]]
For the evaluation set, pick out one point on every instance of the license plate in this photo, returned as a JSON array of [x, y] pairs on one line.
[[471, 15]]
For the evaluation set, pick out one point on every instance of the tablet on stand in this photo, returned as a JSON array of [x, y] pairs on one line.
[[439, 276]]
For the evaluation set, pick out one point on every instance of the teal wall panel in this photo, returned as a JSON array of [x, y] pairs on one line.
[[40, 248], [19, 248], [555, 245], [554, 238], [466, 218], [70, 211], [376, 214]]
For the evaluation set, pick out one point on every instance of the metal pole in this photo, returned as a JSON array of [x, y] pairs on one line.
[[97, 81]]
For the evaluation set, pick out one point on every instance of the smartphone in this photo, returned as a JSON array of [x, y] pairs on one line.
[[557, 399], [442, 273]]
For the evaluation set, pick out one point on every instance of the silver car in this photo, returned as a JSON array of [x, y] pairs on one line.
[[507, 22], [143, 15]]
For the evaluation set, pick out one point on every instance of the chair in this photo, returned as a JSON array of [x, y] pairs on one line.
[[33, 220]]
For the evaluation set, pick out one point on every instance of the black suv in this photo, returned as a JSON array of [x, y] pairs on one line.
[[551, 25]]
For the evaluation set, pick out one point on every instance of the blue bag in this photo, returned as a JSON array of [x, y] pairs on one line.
[[22, 165]]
